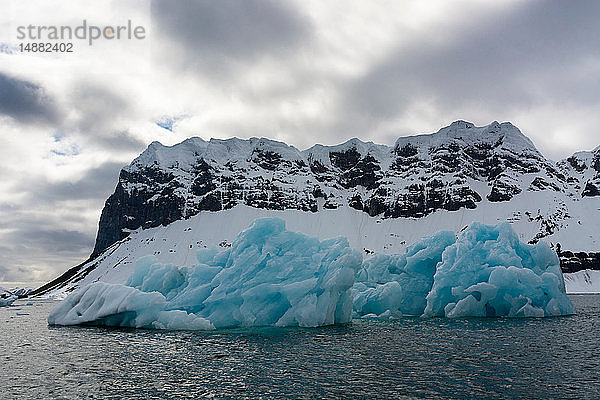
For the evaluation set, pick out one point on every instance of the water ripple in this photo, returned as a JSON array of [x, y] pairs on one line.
[[408, 358]]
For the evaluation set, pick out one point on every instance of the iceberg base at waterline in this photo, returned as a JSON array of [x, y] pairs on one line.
[[7, 297], [7, 301], [269, 276], [274, 277]]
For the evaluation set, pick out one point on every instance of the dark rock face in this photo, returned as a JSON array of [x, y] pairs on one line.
[[503, 189], [540, 183], [573, 262], [453, 169], [591, 190], [132, 208], [583, 171]]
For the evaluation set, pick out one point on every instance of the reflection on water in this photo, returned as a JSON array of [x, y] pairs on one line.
[[470, 358]]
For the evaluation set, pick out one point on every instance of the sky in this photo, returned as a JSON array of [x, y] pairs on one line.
[[298, 71]]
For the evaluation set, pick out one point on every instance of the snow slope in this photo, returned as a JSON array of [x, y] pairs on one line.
[[583, 282]]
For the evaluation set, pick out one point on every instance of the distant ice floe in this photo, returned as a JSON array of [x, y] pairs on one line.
[[8, 296], [271, 276], [7, 301]]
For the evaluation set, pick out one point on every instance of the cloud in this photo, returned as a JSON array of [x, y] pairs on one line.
[[55, 241], [97, 106], [121, 141], [25, 101], [53, 224], [217, 37], [487, 68], [96, 184], [100, 117], [39, 254]]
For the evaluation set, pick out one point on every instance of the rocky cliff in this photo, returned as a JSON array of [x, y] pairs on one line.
[[454, 168]]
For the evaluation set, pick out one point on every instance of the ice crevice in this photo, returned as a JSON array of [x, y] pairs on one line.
[[271, 276]]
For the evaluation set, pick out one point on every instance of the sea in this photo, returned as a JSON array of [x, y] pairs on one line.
[[421, 358]]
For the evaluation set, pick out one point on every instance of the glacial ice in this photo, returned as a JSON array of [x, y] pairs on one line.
[[400, 282], [7, 301], [7, 297], [488, 272], [485, 272], [271, 276]]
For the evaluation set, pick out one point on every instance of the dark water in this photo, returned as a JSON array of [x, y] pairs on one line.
[[421, 358]]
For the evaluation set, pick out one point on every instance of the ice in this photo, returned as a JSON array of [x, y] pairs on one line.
[[400, 283], [269, 276], [7, 297], [485, 272], [109, 304], [7, 301], [489, 272]]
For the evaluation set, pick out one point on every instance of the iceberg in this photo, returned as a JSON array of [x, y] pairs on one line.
[[399, 283], [484, 272], [7, 301], [7, 297], [488, 272], [273, 277], [269, 276]]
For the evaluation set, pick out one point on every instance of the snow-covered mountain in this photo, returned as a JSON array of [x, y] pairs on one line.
[[172, 200]]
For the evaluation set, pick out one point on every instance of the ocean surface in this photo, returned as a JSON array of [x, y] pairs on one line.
[[408, 358]]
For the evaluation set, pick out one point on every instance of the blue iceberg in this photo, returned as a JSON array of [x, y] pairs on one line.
[[488, 272], [397, 284], [7, 301], [485, 272], [269, 276]]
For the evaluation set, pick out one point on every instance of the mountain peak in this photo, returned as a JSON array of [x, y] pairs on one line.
[[465, 133]]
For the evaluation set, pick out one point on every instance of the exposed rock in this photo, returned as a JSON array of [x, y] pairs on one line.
[[419, 175]]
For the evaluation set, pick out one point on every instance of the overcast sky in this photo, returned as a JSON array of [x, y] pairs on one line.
[[303, 72]]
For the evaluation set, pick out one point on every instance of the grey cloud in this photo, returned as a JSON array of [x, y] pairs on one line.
[[13, 274], [98, 106], [37, 242], [116, 140], [214, 36], [53, 241], [25, 101], [97, 184], [99, 112], [37, 238], [502, 62]]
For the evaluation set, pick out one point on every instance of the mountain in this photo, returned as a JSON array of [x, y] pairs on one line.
[[172, 200]]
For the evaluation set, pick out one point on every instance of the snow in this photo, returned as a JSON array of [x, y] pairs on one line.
[[485, 272], [272, 276], [269, 276], [583, 282], [467, 133]]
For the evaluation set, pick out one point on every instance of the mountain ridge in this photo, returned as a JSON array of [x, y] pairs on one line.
[[413, 178], [492, 172]]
